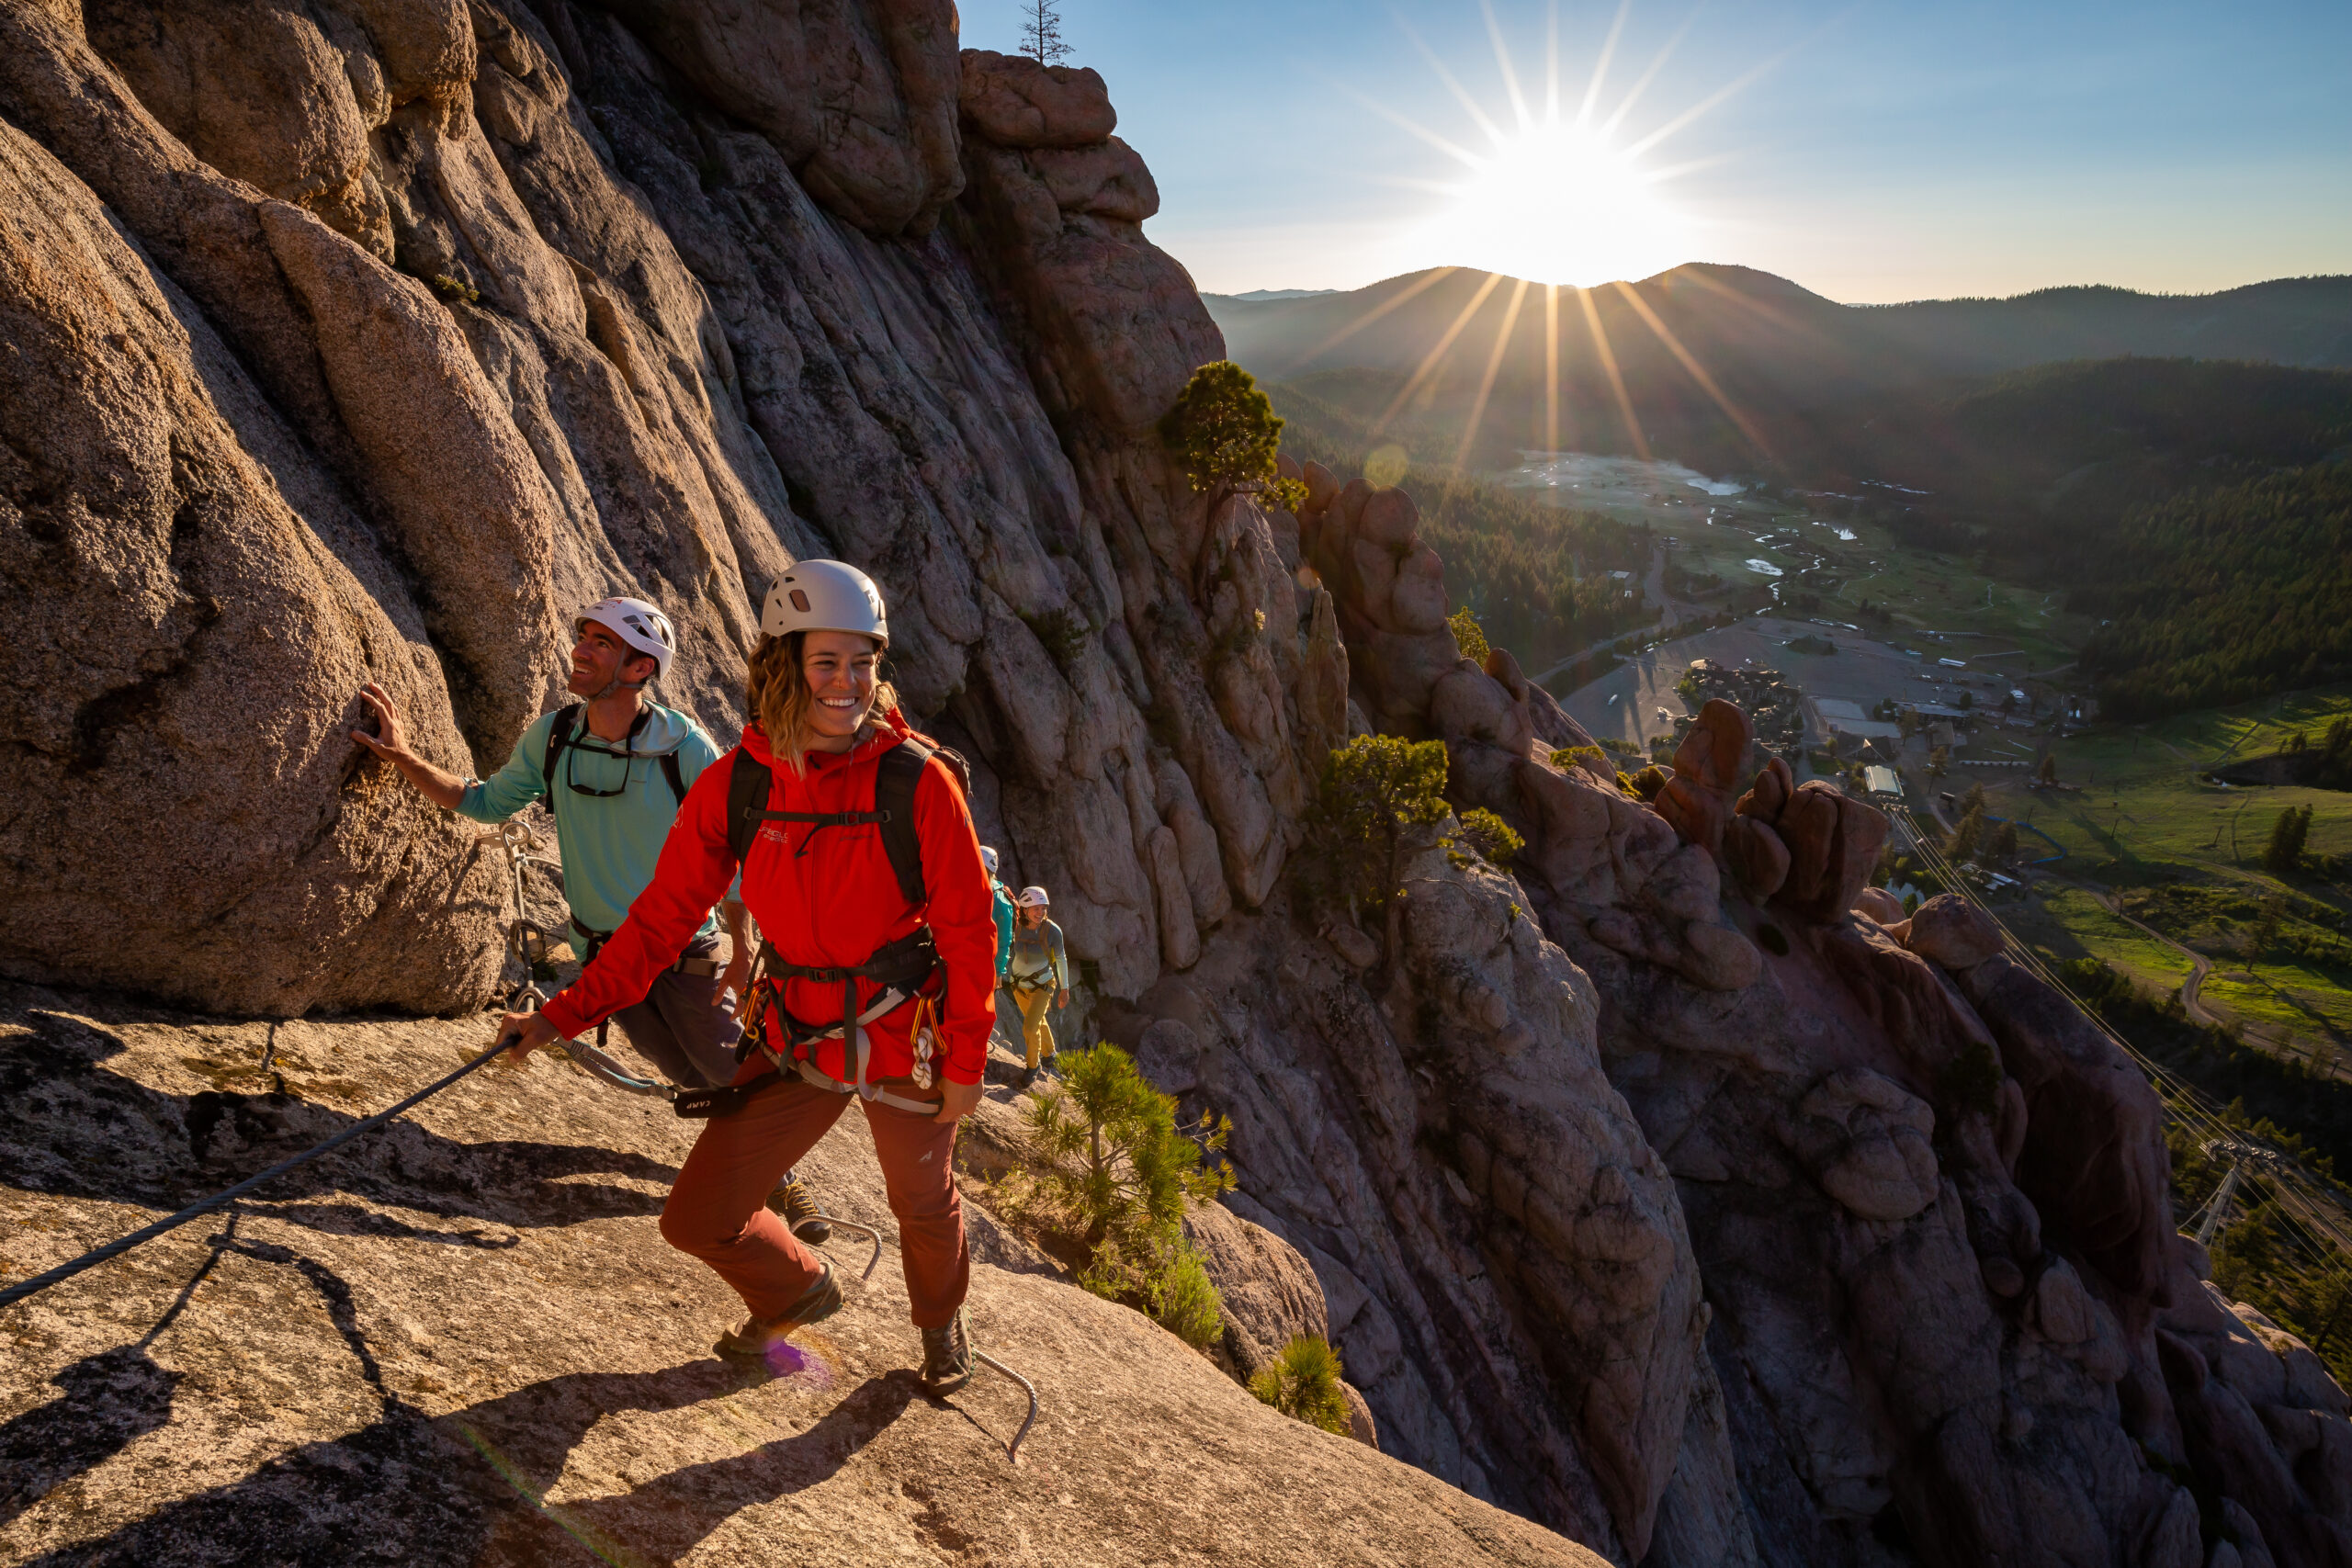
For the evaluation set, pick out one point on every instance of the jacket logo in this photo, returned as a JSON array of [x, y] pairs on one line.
[[773, 834]]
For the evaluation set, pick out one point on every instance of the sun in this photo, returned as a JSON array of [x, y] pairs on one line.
[[1555, 188], [1557, 203]]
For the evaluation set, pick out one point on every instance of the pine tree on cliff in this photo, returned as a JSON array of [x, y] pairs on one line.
[[1041, 32], [1376, 793]]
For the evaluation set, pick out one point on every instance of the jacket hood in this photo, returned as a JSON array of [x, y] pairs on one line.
[[888, 727]]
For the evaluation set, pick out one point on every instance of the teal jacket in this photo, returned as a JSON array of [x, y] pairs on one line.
[[1003, 927], [608, 843]]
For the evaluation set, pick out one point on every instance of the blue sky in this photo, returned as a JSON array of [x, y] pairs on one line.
[[1876, 152]]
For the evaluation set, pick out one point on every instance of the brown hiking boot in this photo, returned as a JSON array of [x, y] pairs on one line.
[[800, 1213], [946, 1357], [758, 1335]]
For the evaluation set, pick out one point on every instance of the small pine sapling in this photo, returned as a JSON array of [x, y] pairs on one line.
[[1115, 1174], [1041, 32], [1377, 792], [1303, 1382], [1489, 836]]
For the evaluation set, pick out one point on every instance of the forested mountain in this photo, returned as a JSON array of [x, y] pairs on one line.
[[1726, 369], [2226, 594]]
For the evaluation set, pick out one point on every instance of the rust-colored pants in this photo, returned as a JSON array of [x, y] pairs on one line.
[[718, 1210]]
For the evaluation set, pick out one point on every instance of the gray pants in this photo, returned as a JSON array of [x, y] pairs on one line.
[[685, 1026]]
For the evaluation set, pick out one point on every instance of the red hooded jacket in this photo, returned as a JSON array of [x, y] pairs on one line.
[[829, 907]]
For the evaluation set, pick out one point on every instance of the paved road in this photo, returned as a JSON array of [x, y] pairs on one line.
[[2199, 965]]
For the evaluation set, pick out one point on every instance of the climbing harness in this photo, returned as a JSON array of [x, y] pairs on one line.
[[901, 968], [529, 942], [91, 1259]]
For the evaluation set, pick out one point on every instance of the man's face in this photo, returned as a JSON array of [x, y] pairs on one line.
[[600, 658]]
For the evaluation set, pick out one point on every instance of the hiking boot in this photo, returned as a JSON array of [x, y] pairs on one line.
[[758, 1335], [800, 1214], [946, 1357]]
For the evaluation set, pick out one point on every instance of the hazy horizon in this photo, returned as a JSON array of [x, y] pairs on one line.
[[1278, 289], [1874, 154]]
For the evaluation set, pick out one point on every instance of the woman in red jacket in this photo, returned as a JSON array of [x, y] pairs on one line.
[[848, 957]]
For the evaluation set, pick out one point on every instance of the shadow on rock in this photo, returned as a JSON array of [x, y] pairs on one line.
[[109, 1399], [391, 1491], [71, 1128]]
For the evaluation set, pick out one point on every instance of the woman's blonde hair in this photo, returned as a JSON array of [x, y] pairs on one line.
[[779, 698]]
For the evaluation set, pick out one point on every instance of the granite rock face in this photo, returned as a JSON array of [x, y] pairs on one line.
[[462, 1340], [1664, 1186], [505, 307], [1501, 1256]]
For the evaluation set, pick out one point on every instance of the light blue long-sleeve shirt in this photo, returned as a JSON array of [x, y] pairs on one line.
[[608, 843]]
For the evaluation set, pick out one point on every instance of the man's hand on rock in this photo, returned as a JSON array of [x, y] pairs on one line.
[[388, 743]]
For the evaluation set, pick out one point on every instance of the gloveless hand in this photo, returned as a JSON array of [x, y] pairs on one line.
[[956, 1099], [528, 1031]]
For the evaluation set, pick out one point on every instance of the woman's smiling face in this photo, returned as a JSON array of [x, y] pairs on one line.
[[840, 669]]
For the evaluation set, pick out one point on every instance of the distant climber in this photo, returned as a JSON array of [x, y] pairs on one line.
[[1001, 902], [1039, 974], [611, 818], [858, 858]]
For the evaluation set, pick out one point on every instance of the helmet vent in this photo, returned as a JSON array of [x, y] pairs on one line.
[[799, 601]]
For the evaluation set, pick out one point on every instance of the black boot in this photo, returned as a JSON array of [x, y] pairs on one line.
[[946, 1357], [792, 1201]]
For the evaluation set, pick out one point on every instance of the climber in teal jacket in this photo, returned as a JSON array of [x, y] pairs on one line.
[[1003, 914]]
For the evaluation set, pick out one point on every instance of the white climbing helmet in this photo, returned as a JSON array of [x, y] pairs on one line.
[[825, 597], [988, 858], [1032, 899], [635, 623]]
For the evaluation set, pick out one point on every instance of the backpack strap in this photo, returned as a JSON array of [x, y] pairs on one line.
[[748, 782], [896, 773], [567, 720], [894, 777], [677, 780]]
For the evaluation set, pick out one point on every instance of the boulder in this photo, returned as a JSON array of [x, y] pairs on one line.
[[1953, 932], [1878, 904], [1269, 1293], [194, 631], [865, 112], [1013, 101]]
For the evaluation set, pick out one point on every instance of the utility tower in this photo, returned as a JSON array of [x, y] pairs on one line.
[[2240, 1156]]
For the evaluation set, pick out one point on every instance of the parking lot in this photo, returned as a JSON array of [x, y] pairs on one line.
[[1624, 703]]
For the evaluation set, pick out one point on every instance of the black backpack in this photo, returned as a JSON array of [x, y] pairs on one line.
[[894, 776], [559, 736]]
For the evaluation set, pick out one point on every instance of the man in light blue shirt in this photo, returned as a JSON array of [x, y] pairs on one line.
[[614, 768]]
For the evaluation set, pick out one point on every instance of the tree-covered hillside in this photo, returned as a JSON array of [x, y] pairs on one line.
[[2220, 595]]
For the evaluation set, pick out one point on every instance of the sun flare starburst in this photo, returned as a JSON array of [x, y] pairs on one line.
[[1558, 203], [1556, 190], [1555, 201]]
